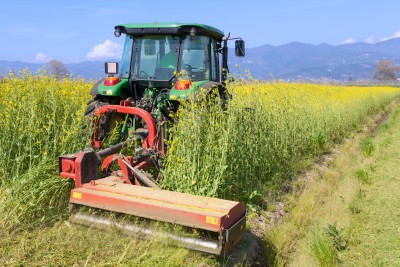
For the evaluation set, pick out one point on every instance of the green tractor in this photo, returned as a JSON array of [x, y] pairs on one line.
[[163, 63]]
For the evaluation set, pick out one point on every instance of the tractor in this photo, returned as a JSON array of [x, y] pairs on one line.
[[162, 65]]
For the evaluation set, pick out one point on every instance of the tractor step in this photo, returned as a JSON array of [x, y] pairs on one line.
[[227, 218]]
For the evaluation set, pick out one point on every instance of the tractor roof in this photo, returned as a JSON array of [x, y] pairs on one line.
[[168, 28]]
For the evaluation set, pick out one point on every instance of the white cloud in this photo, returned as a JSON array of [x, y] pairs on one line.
[[348, 41], [106, 50], [41, 58], [394, 35], [370, 40]]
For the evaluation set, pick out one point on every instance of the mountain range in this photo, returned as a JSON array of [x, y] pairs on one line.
[[292, 62], [299, 61]]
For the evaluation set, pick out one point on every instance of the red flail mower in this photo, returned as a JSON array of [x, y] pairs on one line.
[[107, 180]]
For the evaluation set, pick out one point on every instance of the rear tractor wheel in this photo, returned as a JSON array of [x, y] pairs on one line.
[[97, 102]]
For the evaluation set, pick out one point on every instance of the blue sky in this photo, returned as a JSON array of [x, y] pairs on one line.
[[75, 31]]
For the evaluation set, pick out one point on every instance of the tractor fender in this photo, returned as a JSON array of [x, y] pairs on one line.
[[94, 91], [211, 85]]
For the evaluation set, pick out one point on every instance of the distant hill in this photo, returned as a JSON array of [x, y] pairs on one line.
[[299, 61], [87, 70], [292, 62]]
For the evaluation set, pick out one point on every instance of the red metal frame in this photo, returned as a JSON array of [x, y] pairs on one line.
[[146, 116], [125, 173], [69, 167], [205, 213]]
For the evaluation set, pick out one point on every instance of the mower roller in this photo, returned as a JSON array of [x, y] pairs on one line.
[[137, 104]]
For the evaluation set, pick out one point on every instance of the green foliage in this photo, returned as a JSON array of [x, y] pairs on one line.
[[36, 198], [323, 250], [336, 235], [374, 233], [245, 151], [363, 176], [80, 246], [258, 141], [41, 120], [367, 146], [354, 207]]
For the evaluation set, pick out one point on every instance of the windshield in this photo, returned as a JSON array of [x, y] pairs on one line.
[[155, 57], [126, 58], [199, 58]]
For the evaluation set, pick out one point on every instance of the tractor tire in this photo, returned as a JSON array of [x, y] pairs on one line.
[[97, 102], [92, 106]]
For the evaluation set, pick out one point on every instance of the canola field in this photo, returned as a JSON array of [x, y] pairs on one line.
[[246, 151], [254, 147]]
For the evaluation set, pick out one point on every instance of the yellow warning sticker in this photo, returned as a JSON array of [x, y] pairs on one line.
[[77, 195], [212, 220]]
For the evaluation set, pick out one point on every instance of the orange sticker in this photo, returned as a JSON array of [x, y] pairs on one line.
[[212, 220], [77, 195]]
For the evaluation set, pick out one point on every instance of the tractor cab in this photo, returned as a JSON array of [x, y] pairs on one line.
[[174, 58], [165, 60], [163, 64], [162, 57]]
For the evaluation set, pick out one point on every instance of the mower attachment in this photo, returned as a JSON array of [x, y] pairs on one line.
[[226, 218], [128, 190], [118, 193], [113, 193]]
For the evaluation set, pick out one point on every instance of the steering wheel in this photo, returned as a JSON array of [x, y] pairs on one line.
[[143, 73]]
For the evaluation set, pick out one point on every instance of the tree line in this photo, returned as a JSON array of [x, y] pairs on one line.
[[386, 71], [57, 69]]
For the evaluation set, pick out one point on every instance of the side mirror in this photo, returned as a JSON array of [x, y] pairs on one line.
[[111, 68], [149, 47], [239, 48]]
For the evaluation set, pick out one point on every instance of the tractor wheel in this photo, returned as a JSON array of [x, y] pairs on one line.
[[97, 102], [93, 105]]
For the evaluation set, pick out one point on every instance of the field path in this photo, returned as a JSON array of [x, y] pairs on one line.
[[375, 231], [357, 193]]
